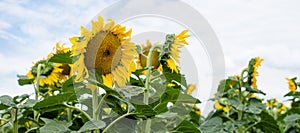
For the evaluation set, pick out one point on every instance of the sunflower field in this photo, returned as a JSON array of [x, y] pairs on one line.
[[107, 83]]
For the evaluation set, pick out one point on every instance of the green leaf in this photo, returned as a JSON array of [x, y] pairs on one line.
[[292, 120], [251, 90], [213, 125], [267, 123], [7, 101], [91, 125], [166, 115], [52, 126], [68, 88], [130, 91], [187, 127], [294, 94], [64, 58], [24, 80], [171, 77], [125, 125], [255, 107], [145, 110], [52, 103], [28, 104], [19, 99], [236, 103]]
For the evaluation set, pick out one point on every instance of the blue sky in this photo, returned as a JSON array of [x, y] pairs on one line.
[[245, 28]]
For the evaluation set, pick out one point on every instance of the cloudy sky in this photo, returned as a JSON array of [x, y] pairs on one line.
[[245, 28]]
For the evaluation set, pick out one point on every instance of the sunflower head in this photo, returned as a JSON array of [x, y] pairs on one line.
[[292, 84], [190, 89], [49, 73], [145, 51], [171, 49], [106, 48], [272, 103], [281, 108], [253, 73]]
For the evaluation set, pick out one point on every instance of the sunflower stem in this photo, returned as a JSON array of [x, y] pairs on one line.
[[148, 72], [14, 116], [81, 111], [116, 120], [98, 109], [95, 104], [37, 88], [147, 128]]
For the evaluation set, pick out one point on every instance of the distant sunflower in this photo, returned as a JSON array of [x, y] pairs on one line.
[[292, 85], [272, 103], [107, 48], [218, 106], [253, 65], [66, 68], [142, 61], [49, 74], [190, 89]]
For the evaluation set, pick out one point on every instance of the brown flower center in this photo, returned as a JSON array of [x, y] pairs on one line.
[[101, 51]]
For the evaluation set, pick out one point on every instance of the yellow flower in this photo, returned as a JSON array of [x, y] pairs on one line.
[[197, 110], [281, 109], [179, 42], [218, 106], [66, 68], [190, 89], [143, 60], [257, 63], [272, 103], [292, 85], [50, 74], [107, 48]]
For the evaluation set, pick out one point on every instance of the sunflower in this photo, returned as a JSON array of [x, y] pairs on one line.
[[253, 65], [142, 61], [190, 89], [281, 108], [66, 68], [292, 85], [272, 103], [171, 50], [218, 106], [178, 42], [106, 48], [49, 73]]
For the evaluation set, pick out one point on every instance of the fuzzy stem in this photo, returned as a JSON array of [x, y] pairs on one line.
[[148, 72], [69, 112], [95, 104], [147, 128], [81, 111], [37, 88], [14, 116], [98, 109], [240, 113], [115, 121]]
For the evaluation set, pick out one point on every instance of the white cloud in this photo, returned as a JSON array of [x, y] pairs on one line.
[[245, 29]]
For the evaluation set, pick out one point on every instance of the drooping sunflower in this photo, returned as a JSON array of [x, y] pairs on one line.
[[253, 73], [172, 46], [66, 68], [292, 85], [142, 61], [49, 73], [106, 48]]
